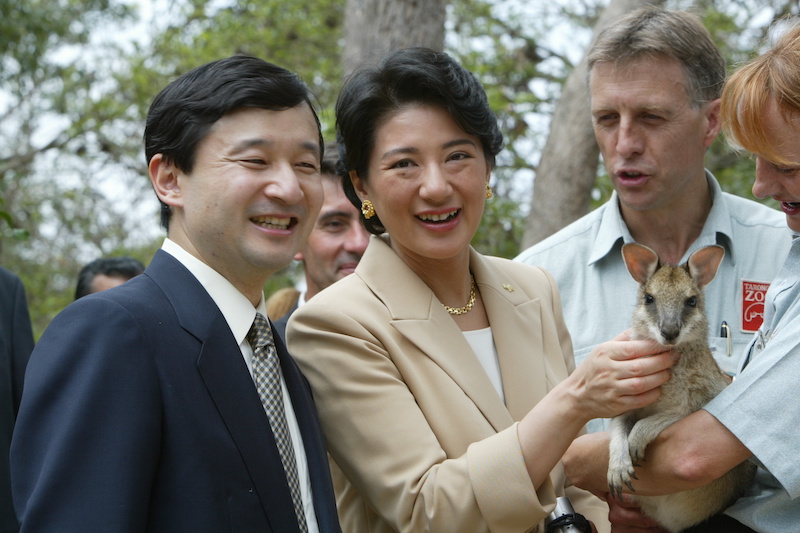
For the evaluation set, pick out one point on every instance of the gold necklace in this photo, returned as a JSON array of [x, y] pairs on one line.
[[467, 308]]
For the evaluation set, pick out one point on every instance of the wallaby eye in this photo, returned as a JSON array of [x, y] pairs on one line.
[[691, 301], [648, 298]]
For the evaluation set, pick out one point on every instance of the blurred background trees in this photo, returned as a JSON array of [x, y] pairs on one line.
[[77, 77]]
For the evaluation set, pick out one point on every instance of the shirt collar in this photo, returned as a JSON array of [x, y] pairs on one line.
[[611, 230], [717, 229], [237, 310], [718, 225]]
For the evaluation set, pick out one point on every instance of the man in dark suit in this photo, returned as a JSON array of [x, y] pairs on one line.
[[16, 343], [149, 407]]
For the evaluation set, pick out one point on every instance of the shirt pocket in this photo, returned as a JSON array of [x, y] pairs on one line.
[[728, 352]]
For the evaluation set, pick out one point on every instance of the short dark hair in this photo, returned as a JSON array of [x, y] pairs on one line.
[[114, 267], [404, 77], [184, 111], [330, 159], [660, 33]]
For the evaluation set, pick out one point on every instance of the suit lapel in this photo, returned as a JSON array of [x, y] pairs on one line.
[[228, 382], [422, 320]]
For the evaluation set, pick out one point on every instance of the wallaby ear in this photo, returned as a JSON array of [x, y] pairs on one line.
[[641, 261], [704, 262]]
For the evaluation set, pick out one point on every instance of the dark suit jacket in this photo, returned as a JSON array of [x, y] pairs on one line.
[[140, 415], [16, 343], [280, 325]]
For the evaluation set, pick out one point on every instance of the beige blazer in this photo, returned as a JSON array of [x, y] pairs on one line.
[[418, 436]]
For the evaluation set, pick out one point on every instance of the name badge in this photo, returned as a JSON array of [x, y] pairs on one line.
[[753, 295]]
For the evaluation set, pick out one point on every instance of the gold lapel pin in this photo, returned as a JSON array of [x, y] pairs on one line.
[[508, 287]]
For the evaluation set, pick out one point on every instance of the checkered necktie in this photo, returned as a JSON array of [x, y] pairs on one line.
[[266, 374]]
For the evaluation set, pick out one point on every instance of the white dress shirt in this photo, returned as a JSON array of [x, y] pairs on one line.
[[239, 313], [482, 343]]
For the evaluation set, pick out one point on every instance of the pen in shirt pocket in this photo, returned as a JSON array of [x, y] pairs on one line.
[[725, 332]]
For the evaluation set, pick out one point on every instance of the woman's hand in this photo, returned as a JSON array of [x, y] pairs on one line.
[[620, 375]]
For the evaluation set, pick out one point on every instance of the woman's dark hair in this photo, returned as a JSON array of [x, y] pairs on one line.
[[402, 78], [184, 111]]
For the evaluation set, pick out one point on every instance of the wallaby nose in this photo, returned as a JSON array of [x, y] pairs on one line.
[[670, 333]]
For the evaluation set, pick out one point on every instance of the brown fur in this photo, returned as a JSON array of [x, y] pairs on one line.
[[670, 310]]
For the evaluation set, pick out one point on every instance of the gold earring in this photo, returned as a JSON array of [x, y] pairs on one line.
[[367, 209], [489, 192]]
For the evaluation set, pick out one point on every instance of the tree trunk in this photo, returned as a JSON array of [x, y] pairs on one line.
[[375, 27], [568, 165]]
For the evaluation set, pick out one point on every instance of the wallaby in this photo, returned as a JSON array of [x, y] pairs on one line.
[[670, 311]]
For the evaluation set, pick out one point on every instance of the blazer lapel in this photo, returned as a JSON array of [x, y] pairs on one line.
[[444, 343], [228, 382], [422, 320], [516, 321]]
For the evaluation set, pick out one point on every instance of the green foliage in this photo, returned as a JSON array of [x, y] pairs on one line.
[[504, 43], [304, 37], [82, 192], [53, 119], [501, 227], [73, 101], [287, 277], [60, 279]]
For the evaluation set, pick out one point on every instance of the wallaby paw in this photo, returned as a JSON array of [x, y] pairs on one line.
[[638, 441], [637, 454], [617, 477]]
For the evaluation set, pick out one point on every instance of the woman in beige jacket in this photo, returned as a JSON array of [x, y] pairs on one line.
[[444, 379]]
